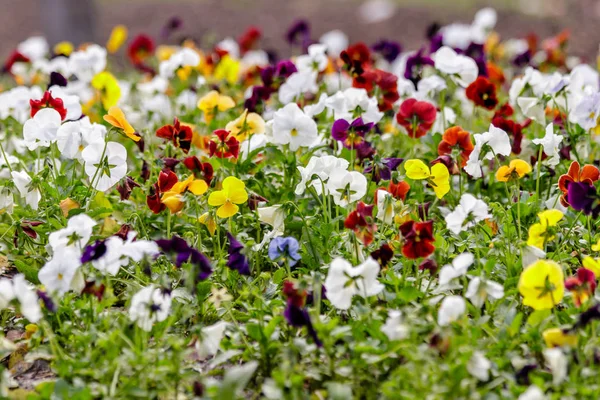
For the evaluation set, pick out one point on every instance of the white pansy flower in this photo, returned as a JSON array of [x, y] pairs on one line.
[[293, 127], [467, 214], [345, 281], [480, 290], [40, 130], [451, 309], [105, 164], [479, 366], [149, 305], [550, 143]]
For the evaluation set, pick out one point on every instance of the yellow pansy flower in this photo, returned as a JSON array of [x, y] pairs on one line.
[[118, 36], [245, 125], [212, 102], [539, 233], [438, 176], [596, 247], [208, 220], [542, 285], [227, 69], [116, 118], [67, 205], [556, 337], [592, 264], [64, 48], [233, 193], [515, 170], [172, 198], [108, 86]]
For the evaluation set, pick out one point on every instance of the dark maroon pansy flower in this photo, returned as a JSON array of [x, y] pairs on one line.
[[125, 187], [201, 170], [94, 288], [57, 79], [174, 23], [383, 254], [237, 260], [295, 313]]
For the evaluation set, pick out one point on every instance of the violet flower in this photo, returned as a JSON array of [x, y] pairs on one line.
[[282, 249], [388, 49], [351, 134], [237, 260], [583, 197], [381, 169], [184, 253], [414, 66]]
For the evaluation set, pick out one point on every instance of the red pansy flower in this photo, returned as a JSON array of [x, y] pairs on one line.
[[398, 190], [14, 57], [203, 170], [47, 101], [418, 239], [180, 135], [249, 39], [582, 286], [456, 139], [588, 174], [512, 128], [482, 92], [224, 145], [361, 222], [153, 199], [417, 117], [140, 49]]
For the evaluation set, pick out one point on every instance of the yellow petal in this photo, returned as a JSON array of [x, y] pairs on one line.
[[198, 187], [227, 210], [592, 264], [118, 36], [522, 167], [503, 173], [416, 169], [217, 198], [550, 217], [441, 179]]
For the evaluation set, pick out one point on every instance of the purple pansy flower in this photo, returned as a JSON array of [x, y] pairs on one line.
[[299, 317], [237, 260], [382, 168], [93, 251], [185, 253], [583, 197], [414, 66], [351, 134], [282, 249], [388, 49]]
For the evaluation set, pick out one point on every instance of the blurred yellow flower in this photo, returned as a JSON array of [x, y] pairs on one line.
[[208, 220], [592, 264], [212, 102], [542, 285], [556, 337], [438, 176], [515, 170], [64, 48], [245, 125], [108, 86], [539, 233], [227, 69], [233, 193], [118, 36], [67, 205]]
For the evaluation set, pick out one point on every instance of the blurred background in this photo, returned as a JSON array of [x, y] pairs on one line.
[[208, 21]]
